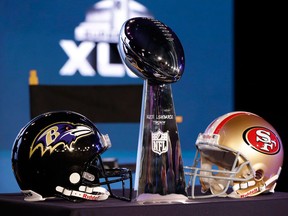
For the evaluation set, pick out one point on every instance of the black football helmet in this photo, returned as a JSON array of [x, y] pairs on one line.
[[58, 154]]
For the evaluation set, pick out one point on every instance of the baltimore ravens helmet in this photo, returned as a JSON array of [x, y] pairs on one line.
[[58, 154]]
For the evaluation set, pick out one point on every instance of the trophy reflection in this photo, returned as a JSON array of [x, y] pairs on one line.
[[152, 51]]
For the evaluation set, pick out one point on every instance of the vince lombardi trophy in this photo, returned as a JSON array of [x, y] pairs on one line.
[[151, 50]]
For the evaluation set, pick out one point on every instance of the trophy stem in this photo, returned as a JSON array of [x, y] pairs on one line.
[[159, 166]]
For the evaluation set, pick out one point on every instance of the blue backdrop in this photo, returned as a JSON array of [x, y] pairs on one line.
[[31, 35]]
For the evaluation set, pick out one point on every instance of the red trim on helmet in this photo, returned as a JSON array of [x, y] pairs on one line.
[[223, 122]]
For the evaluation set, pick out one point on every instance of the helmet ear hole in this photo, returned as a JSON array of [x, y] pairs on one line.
[[259, 174], [74, 178]]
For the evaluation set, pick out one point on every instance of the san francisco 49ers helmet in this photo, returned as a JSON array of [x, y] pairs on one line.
[[58, 154], [239, 155]]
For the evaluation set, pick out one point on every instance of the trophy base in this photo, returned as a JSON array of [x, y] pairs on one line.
[[148, 198]]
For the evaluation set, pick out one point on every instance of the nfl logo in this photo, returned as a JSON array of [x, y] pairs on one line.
[[160, 142]]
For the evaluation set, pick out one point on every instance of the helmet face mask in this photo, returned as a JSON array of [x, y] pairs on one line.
[[234, 158], [58, 154]]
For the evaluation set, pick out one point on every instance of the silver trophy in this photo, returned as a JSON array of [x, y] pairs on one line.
[[153, 52]]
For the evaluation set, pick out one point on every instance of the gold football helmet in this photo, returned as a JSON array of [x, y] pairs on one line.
[[239, 155]]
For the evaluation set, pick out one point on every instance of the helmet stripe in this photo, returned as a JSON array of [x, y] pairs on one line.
[[225, 120]]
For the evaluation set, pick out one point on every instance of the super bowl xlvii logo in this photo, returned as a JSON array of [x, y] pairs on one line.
[[160, 142], [97, 37]]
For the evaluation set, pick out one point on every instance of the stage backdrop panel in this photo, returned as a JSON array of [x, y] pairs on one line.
[[68, 44]]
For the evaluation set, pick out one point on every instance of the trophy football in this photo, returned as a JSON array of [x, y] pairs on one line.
[[151, 50]]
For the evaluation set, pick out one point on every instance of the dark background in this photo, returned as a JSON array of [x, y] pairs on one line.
[[260, 72]]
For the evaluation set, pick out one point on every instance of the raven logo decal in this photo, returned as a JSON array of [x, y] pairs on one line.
[[58, 134]]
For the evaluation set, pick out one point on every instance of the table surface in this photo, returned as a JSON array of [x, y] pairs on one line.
[[268, 204]]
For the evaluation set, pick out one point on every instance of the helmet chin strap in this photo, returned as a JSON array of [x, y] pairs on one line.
[[32, 196], [88, 193]]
